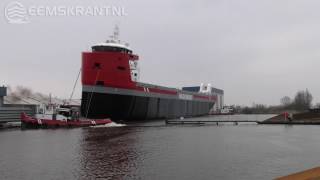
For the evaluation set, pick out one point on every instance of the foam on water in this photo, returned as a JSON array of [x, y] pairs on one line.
[[112, 124]]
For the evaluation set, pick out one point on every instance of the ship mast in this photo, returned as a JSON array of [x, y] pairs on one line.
[[115, 37]]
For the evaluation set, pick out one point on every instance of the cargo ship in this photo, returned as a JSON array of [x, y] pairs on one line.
[[111, 88]]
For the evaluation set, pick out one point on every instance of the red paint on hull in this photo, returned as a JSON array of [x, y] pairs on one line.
[[160, 91]]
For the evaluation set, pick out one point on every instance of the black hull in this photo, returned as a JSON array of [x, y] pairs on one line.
[[129, 107]]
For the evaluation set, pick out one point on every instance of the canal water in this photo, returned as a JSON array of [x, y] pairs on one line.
[[158, 151]]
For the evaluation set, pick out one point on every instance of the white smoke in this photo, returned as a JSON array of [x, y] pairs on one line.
[[25, 95]]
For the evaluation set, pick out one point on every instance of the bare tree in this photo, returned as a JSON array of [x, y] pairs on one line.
[[302, 100], [285, 101]]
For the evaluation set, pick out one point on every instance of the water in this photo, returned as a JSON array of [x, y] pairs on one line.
[[156, 151]]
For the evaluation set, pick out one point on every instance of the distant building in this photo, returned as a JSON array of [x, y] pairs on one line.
[[11, 112], [3, 92], [206, 88]]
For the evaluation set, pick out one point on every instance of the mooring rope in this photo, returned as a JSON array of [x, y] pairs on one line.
[[74, 86], [88, 104]]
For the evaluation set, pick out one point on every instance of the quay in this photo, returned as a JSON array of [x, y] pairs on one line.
[[311, 174], [301, 122], [235, 122], [312, 117]]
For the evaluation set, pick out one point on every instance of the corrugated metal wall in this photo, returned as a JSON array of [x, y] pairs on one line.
[[11, 112]]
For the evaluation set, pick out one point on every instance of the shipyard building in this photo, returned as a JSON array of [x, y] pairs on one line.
[[208, 89]]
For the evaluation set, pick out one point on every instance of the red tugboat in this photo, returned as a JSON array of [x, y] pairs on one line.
[[111, 88], [62, 117]]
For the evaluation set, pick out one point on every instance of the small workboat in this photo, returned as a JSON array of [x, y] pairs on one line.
[[61, 118]]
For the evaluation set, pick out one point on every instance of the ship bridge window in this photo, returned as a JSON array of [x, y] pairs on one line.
[[109, 49]]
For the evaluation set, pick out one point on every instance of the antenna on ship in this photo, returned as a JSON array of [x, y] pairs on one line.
[[115, 36]]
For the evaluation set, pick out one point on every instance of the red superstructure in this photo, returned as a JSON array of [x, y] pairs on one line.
[[114, 72]]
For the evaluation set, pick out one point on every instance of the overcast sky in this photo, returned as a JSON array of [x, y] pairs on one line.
[[256, 51]]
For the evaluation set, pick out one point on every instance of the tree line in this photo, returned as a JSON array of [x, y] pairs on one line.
[[302, 101]]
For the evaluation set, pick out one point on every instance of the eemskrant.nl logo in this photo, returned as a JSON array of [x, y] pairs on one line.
[[17, 13]]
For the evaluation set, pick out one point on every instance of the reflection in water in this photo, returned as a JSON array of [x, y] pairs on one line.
[[157, 152], [108, 153]]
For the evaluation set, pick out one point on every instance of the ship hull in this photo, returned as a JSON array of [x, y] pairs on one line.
[[136, 107], [111, 89]]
